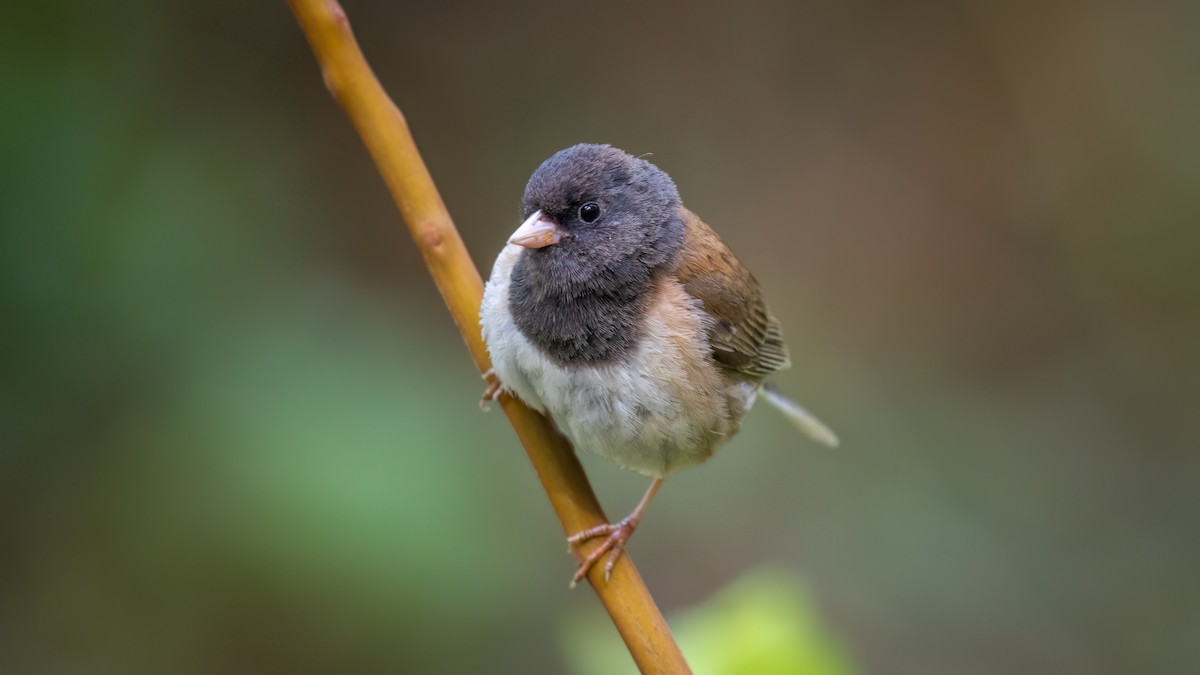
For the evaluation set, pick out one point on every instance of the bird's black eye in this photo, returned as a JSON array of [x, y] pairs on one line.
[[589, 212]]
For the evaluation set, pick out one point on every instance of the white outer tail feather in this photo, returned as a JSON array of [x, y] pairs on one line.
[[795, 412]]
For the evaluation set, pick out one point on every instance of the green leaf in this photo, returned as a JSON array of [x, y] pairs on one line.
[[764, 623]]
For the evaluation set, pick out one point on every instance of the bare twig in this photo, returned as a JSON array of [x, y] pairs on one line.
[[385, 133]]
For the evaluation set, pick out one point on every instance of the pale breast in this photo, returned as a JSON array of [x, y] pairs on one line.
[[664, 407]]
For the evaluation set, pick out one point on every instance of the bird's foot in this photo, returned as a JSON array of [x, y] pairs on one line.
[[616, 536], [491, 392], [614, 545]]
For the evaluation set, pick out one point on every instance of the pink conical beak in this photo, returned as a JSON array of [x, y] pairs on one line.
[[537, 231]]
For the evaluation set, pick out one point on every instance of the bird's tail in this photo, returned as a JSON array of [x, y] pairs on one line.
[[807, 422]]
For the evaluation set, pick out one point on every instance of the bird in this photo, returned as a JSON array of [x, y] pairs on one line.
[[624, 317]]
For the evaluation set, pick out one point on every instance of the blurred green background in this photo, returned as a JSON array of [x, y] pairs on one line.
[[239, 434]]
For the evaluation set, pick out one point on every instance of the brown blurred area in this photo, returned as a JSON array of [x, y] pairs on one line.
[[238, 431]]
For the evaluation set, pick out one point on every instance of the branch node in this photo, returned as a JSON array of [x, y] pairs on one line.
[[338, 14], [431, 238]]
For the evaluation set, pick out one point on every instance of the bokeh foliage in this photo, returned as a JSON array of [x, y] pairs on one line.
[[238, 432], [764, 623]]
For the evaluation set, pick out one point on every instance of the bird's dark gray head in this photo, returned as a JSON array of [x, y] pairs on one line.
[[616, 214], [600, 224]]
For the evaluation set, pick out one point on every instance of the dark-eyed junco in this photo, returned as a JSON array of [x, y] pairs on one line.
[[619, 313]]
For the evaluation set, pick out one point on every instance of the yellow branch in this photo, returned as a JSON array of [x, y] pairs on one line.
[[385, 133]]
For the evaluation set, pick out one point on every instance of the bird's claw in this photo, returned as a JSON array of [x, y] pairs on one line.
[[491, 392], [614, 545]]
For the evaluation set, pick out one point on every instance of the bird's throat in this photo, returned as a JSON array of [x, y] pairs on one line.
[[592, 322]]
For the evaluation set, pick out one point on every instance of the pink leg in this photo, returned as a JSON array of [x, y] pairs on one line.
[[617, 535]]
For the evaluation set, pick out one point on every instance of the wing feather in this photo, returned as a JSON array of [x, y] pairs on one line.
[[745, 337]]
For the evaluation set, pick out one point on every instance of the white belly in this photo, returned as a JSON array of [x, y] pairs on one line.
[[663, 408]]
